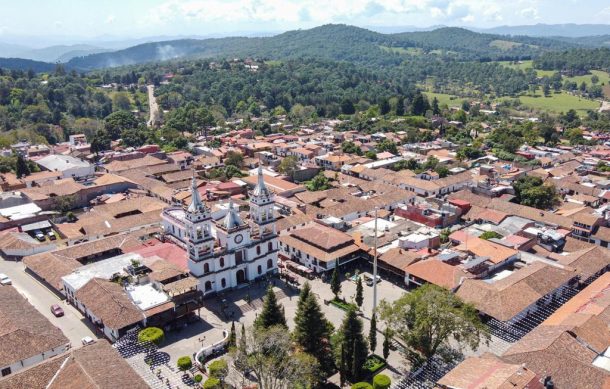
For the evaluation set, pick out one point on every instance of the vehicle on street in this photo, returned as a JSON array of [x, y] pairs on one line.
[[369, 280], [5, 280], [57, 310], [39, 235], [87, 340]]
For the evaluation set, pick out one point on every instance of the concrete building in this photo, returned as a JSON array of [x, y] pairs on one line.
[[69, 166]]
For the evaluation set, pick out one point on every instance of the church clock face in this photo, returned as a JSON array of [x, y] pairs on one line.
[[238, 238]]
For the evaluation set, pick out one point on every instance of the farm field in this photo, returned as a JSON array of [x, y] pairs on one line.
[[524, 65], [559, 102], [443, 98]]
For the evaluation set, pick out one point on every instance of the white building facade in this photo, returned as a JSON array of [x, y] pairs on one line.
[[231, 252]]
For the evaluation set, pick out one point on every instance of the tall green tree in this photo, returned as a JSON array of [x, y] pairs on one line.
[[232, 336], [427, 319], [312, 331], [335, 282], [21, 167], [351, 348], [272, 313], [373, 333], [359, 292], [387, 339], [119, 121]]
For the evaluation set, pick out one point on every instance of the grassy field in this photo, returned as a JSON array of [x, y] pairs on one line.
[[504, 45], [402, 50], [443, 98], [559, 102], [523, 65], [604, 78]]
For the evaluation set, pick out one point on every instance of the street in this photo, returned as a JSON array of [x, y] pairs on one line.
[[72, 324]]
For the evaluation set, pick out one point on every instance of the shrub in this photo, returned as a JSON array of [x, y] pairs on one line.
[[362, 385], [218, 369], [151, 334], [198, 378], [212, 383], [373, 364], [184, 363], [381, 381]]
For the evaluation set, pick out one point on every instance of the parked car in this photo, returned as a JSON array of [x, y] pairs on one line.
[[57, 310], [369, 280], [87, 340], [51, 235], [39, 235], [5, 280]]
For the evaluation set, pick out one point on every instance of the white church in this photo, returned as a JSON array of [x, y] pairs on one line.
[[229, 252]]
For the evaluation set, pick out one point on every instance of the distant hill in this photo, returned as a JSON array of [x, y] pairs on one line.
[[550, 30], [26, 64], [333, 42]]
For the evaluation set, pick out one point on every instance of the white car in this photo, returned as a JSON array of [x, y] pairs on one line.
[[5, 280], [87, 340]]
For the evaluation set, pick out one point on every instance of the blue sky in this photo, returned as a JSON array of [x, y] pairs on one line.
[[138, 18]]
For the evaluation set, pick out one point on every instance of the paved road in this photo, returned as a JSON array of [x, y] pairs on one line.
[[72, 323], [153, 107]]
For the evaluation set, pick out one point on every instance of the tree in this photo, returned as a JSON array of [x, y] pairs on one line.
[[359, 290], [490, 235], [431, 317], [274, 362], [533, 192], [387, 145], [384, 106], [370, 154], [319, 182], [184, 363], [241, 355], [361, 385], [212, 383], [347, 107], [121, 101], [419, 105], [119, 121], [435, 109], [100, 142], [272, 313], [594, 79], [311, 329], [387, 339], [335, 282], [152, 335], [381, 381], [288, 166], [234, 158], [351, 348], [373, 332], [350, 147], [219, 369], [21, 167], [232, 336], [133, 137]]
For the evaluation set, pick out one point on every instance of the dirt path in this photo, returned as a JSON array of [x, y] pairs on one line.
[[153, 107], [605, 106]]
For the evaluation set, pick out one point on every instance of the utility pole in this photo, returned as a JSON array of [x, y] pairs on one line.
[[375, 268]]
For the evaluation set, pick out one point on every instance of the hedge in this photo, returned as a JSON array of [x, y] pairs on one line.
[[212, 383], [381, 381], [151, 334], [362, 385], [198, 378], [184, 363]]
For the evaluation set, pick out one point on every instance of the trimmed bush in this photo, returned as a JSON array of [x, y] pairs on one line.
[[184, 363], [381, 381], [373, 364], [218, 369], [212, 383], [362, 385], [151, 334], [198, 378]]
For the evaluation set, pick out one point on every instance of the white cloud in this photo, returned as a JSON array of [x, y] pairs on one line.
[[530, 13], [110, 19]]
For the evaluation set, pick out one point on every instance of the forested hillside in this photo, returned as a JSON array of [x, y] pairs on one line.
[[334, 42], [578, 61]]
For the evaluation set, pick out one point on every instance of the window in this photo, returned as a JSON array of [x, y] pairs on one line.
[[258, 250], [269, 264], [270, 246], [223, 283], [208, 286], [260, 269], [239, 257], [222, 262]]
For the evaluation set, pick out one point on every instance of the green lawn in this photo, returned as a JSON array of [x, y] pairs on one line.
[[559, 102], [443, 98], [603, 77]]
